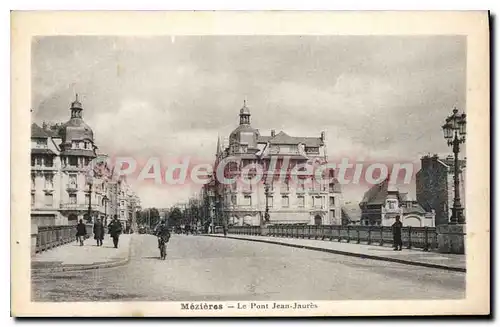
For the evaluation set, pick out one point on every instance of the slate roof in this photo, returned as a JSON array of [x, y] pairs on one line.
[[376, 194], [416, 208], [284, 138], [38, 132]]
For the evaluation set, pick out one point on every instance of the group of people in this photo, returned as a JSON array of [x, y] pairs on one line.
[[114, 230]]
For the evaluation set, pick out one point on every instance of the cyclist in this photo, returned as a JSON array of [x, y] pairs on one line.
[[162, 233]]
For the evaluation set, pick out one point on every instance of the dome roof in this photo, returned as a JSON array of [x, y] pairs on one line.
[[244, 110], [76, 129]]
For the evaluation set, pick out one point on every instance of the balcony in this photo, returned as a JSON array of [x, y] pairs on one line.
[[72, 187], [39, 167], [80, 207]]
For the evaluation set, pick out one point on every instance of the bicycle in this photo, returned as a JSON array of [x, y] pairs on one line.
[[163, 248]]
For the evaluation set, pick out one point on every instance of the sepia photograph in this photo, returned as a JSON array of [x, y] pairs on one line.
[[252, 174]]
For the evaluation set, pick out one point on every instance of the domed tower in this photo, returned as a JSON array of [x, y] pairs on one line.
[[244, 138], [77, 137], [77, 150]]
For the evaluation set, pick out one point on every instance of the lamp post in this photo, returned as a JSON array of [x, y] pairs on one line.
[[105, 201], [266, 215], [454, 132], [90, 181]]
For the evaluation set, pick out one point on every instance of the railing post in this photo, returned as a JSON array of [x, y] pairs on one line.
[[426, 239], [348, 234], [409, 237], [381, 235], [340, 234], [359, 238], [369, 234]]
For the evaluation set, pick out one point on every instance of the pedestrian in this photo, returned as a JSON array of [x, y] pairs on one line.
[[81, 232], [224, 228], [396, 233], [98, 231], [115, 229]]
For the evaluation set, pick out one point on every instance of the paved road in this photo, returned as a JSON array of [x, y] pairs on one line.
[[204, 268]]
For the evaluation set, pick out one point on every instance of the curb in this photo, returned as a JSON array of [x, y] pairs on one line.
[[117, 263], [358, 255]]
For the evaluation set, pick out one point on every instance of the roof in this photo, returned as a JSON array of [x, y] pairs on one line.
[[76, 129], [284, 138], [42, 151], [376, 194], [416, 208], [263, 139], [38, 132], [351, 212]]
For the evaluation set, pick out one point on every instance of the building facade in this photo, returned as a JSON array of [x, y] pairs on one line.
[[383, 202], [62, 190], [289, 200], [435, 185]]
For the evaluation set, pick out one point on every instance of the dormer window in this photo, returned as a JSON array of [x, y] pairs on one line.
[[41, 143]]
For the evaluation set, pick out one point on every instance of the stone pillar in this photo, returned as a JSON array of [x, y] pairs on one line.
[[451, 238], [264, 229], [34, 234]]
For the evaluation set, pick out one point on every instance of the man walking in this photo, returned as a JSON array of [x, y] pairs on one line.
[[115, 229], [81, 232], [98, 231], [396, 233]]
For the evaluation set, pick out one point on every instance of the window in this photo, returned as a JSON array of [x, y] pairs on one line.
[[33, 183], [233, 199], [33, 161], [49, 162], [49, 199], [301, 201], [247, 200], [122, 203], [73, 161], [285, 201], [82, 145], [122, 214], [317, 201], [332, 215], [49, 182], [72, 198], [72, 180], [87, 199], [41, 143], [270, 202], [332, 201], [32, 199]]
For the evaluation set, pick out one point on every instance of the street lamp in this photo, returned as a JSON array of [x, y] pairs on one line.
[[90, 181], [454, 132], [266, 190], [105, 201]]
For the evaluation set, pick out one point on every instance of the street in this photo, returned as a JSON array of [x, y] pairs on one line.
[[200, 268]]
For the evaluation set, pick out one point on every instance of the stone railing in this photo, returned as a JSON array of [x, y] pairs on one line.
[[48, 237], [413, 237]]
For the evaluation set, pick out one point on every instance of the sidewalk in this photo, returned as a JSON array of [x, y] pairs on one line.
[[72, 256], [454, 262]]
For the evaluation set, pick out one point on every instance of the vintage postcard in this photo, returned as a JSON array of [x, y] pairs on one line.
[[246, 164]]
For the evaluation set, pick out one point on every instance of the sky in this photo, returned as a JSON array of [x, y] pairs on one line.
[[377, 97]]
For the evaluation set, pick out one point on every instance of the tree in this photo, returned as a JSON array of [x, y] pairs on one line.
[[175, 217]]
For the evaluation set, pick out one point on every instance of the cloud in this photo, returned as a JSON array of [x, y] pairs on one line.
[[150, 96]]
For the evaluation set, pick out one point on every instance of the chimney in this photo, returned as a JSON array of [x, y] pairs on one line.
[[323, 136], [273, 133]]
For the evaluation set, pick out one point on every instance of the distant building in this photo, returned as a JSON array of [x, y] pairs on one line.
[[288, 202], [435, 187], [383, 202]]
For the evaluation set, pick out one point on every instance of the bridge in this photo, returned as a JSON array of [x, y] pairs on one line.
[[213, 267]]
